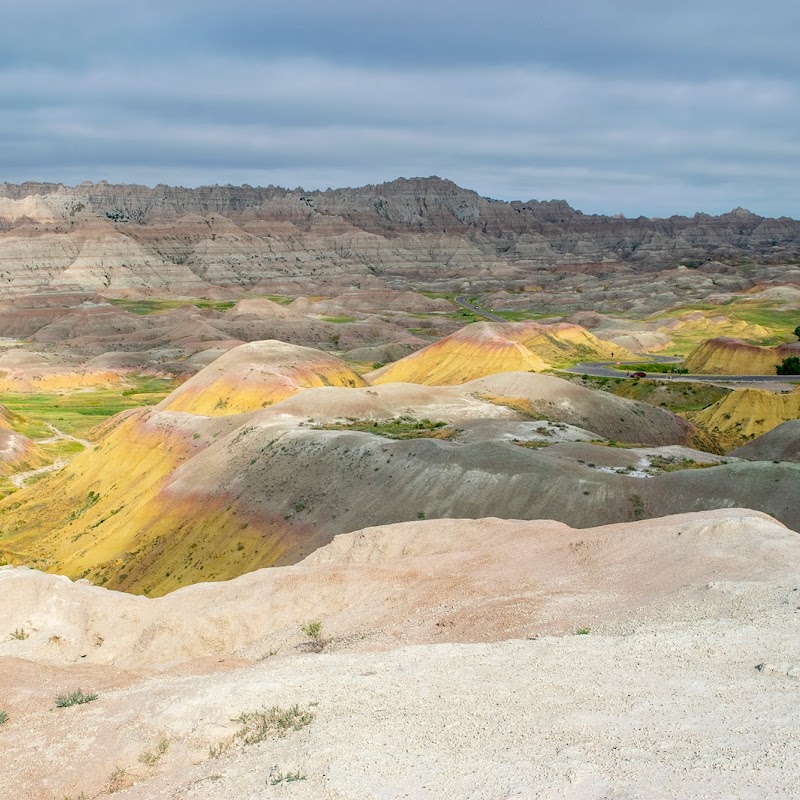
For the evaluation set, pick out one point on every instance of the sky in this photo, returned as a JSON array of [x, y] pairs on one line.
[[617, 106]]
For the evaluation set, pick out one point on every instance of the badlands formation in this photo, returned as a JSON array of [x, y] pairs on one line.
[[298, 521]]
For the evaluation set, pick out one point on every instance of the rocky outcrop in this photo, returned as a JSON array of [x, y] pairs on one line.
[[125, 238]]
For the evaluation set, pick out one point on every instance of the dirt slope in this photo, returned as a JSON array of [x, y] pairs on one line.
[[748, 413], [779, 444], [692, 633], [168, 499]]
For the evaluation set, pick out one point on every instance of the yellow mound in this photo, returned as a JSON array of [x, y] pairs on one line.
[[17, 452], [106, 517], [710, 324], [52, 379], [725, 356], [487, 348], [257, 375], [747, 413]]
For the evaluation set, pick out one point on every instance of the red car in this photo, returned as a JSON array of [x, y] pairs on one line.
[[639, 375]]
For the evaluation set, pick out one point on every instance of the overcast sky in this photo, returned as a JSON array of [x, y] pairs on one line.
[[614, 105]]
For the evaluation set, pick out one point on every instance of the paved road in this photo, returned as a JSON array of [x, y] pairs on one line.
[[600, 369], [464, 303]]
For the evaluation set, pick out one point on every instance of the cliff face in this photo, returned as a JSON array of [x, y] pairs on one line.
[[120, 238]]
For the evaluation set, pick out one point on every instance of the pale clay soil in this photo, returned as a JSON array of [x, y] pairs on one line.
[[686, 685]]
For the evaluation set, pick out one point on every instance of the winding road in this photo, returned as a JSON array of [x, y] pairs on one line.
[[464, 303]]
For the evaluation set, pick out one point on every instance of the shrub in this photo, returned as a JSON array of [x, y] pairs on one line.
[[76, 698], [255, 726], [19, 634], [151, 757], [3, 717], [313, 630], [276, 777], [789, 366]]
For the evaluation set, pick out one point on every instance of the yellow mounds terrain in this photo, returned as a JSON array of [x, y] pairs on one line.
[[53, 379], [107, 508], [726, 356], [708, 323], [17, 452], [257, 375], [486, 348], [747, 413]]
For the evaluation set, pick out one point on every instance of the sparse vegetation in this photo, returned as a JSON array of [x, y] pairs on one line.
[[638, 507], [338, 320], [583, 631], [118, 780], [277, 776], [678, 397], [257, 726], [76, 698], [157, 306], [317, 641], [151, 757], [666, 465], [404, 427], [3, 717], [19, 634]]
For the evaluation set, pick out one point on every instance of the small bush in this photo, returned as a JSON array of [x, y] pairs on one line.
[[256, 726], [118, 780], [3, 717], [313, 630], [582, 631], [76, 698], [259, 725], [19, 634], [276, 777], [151, 757]]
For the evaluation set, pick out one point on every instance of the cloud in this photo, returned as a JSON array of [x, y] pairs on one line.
[[521, 103]]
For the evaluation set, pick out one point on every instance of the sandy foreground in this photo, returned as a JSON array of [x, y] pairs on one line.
[[692, 693]]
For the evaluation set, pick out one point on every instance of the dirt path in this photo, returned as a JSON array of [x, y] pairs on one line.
[[21, 477], [19, 480], [59, 434]]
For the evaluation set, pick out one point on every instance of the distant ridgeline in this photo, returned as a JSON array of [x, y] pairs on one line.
[[108, 237]]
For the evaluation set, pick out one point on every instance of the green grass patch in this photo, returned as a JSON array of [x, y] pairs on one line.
[[521, 316], [157, 306], [780, 323], [462, 315], [78, 413], [652, 367], [397, 428], [666, 465], [338, 320], [678, 397]]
